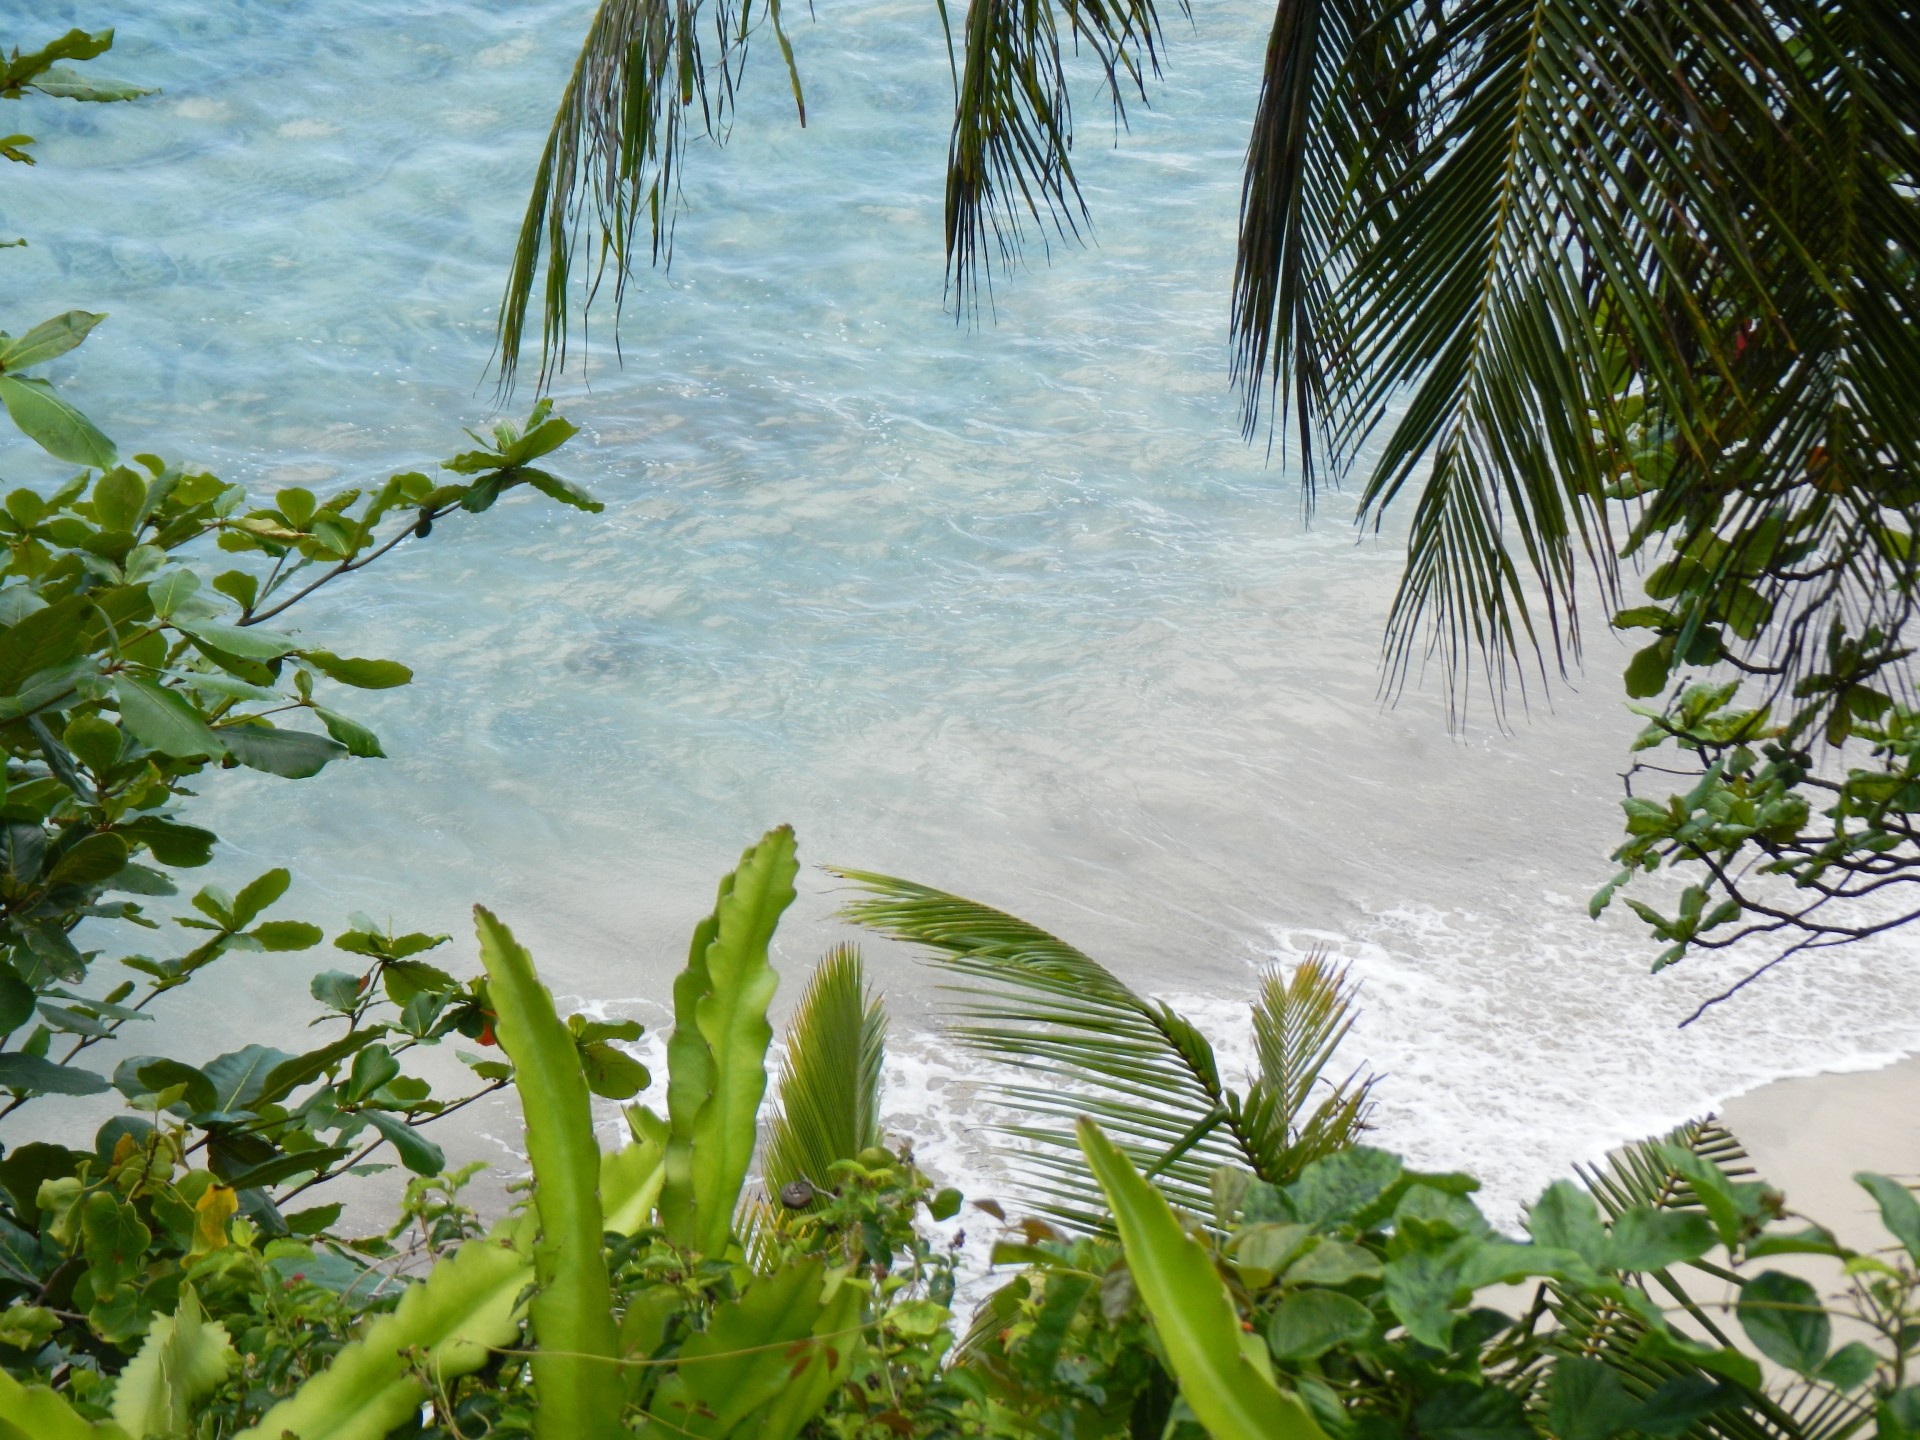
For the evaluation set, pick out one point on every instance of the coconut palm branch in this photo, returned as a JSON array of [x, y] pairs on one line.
[[1135, 1064], [647, 72], [827, 1101], [1566, 213]]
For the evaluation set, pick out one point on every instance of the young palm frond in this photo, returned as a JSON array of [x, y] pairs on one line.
[[1137, 1066], [1298, 1024], [827, 1102], [1011, 148]]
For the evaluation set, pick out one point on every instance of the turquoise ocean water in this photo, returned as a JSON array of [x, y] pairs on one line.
[[1010, 609]]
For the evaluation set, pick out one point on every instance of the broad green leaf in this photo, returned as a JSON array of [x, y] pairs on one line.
[[1191, 1311], [1849, 1367], [54, 425], [578, 1390], [359, 740], [746, 1356], [62, 82], [1586, 1401], [31, 1075], [42, 640], [565, 491], [161, 720], [247, 641], [96, 858], [285, 935], [185, 1356], [152, 1076], [1648, 1239], [294, 754], [17, 999], [612, 1074], [361, 674], [33, 1412], [1339, 1185], [1783, 1316], [115, 1240], [1420, 1288], [257, 894], [1331, 1262], [416, 1152], [1309, 1323], [1566, 1218], [46, 340], [239, 1076], [1899, 1211]]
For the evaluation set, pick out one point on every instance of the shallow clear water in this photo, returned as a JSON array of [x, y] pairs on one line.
[[1011, 610]]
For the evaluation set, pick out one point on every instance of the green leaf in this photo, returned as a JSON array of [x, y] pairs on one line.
[[1648, 1239], [1586, 1401], [246, 641], [1341, 1184], [1849, 1367], [1783, 1316], [17, 999], [1899, 1211], [613, 1074], [115, 1241], [34, 1412], [828, 1095], [359, 740], [185, 1356], [416, 1152], [240, 1075], [150, 1077], [716, 1056], [1309, 1323], [32, 1075], [1420, 1289], [1192, 1314], [161, 720], [42, 640], [578, 1390], [96, 858], [48, 339], [285, 935], [290, 1072], [54, 425], [565, 491], [1647, 671], [362, 674], [62, 82], [258, 894], [1566, 1218], [294, 754]]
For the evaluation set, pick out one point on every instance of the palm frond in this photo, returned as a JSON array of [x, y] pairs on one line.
[[1338, 114], [827, 1102], [1135, 1064], [1033, 1000], [1010, 154], [1638, 1174], [610, 166]]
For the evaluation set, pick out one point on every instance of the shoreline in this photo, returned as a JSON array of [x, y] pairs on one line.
[[1809, 1135]]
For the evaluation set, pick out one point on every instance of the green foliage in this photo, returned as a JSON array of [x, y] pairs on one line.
[[716, 1056], [828, 1104], [576, 1388], [1136, 1065]]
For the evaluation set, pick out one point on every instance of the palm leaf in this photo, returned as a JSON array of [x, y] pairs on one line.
[[612, 157], [828, 1097], [1134, 1064], [1010, 155]]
